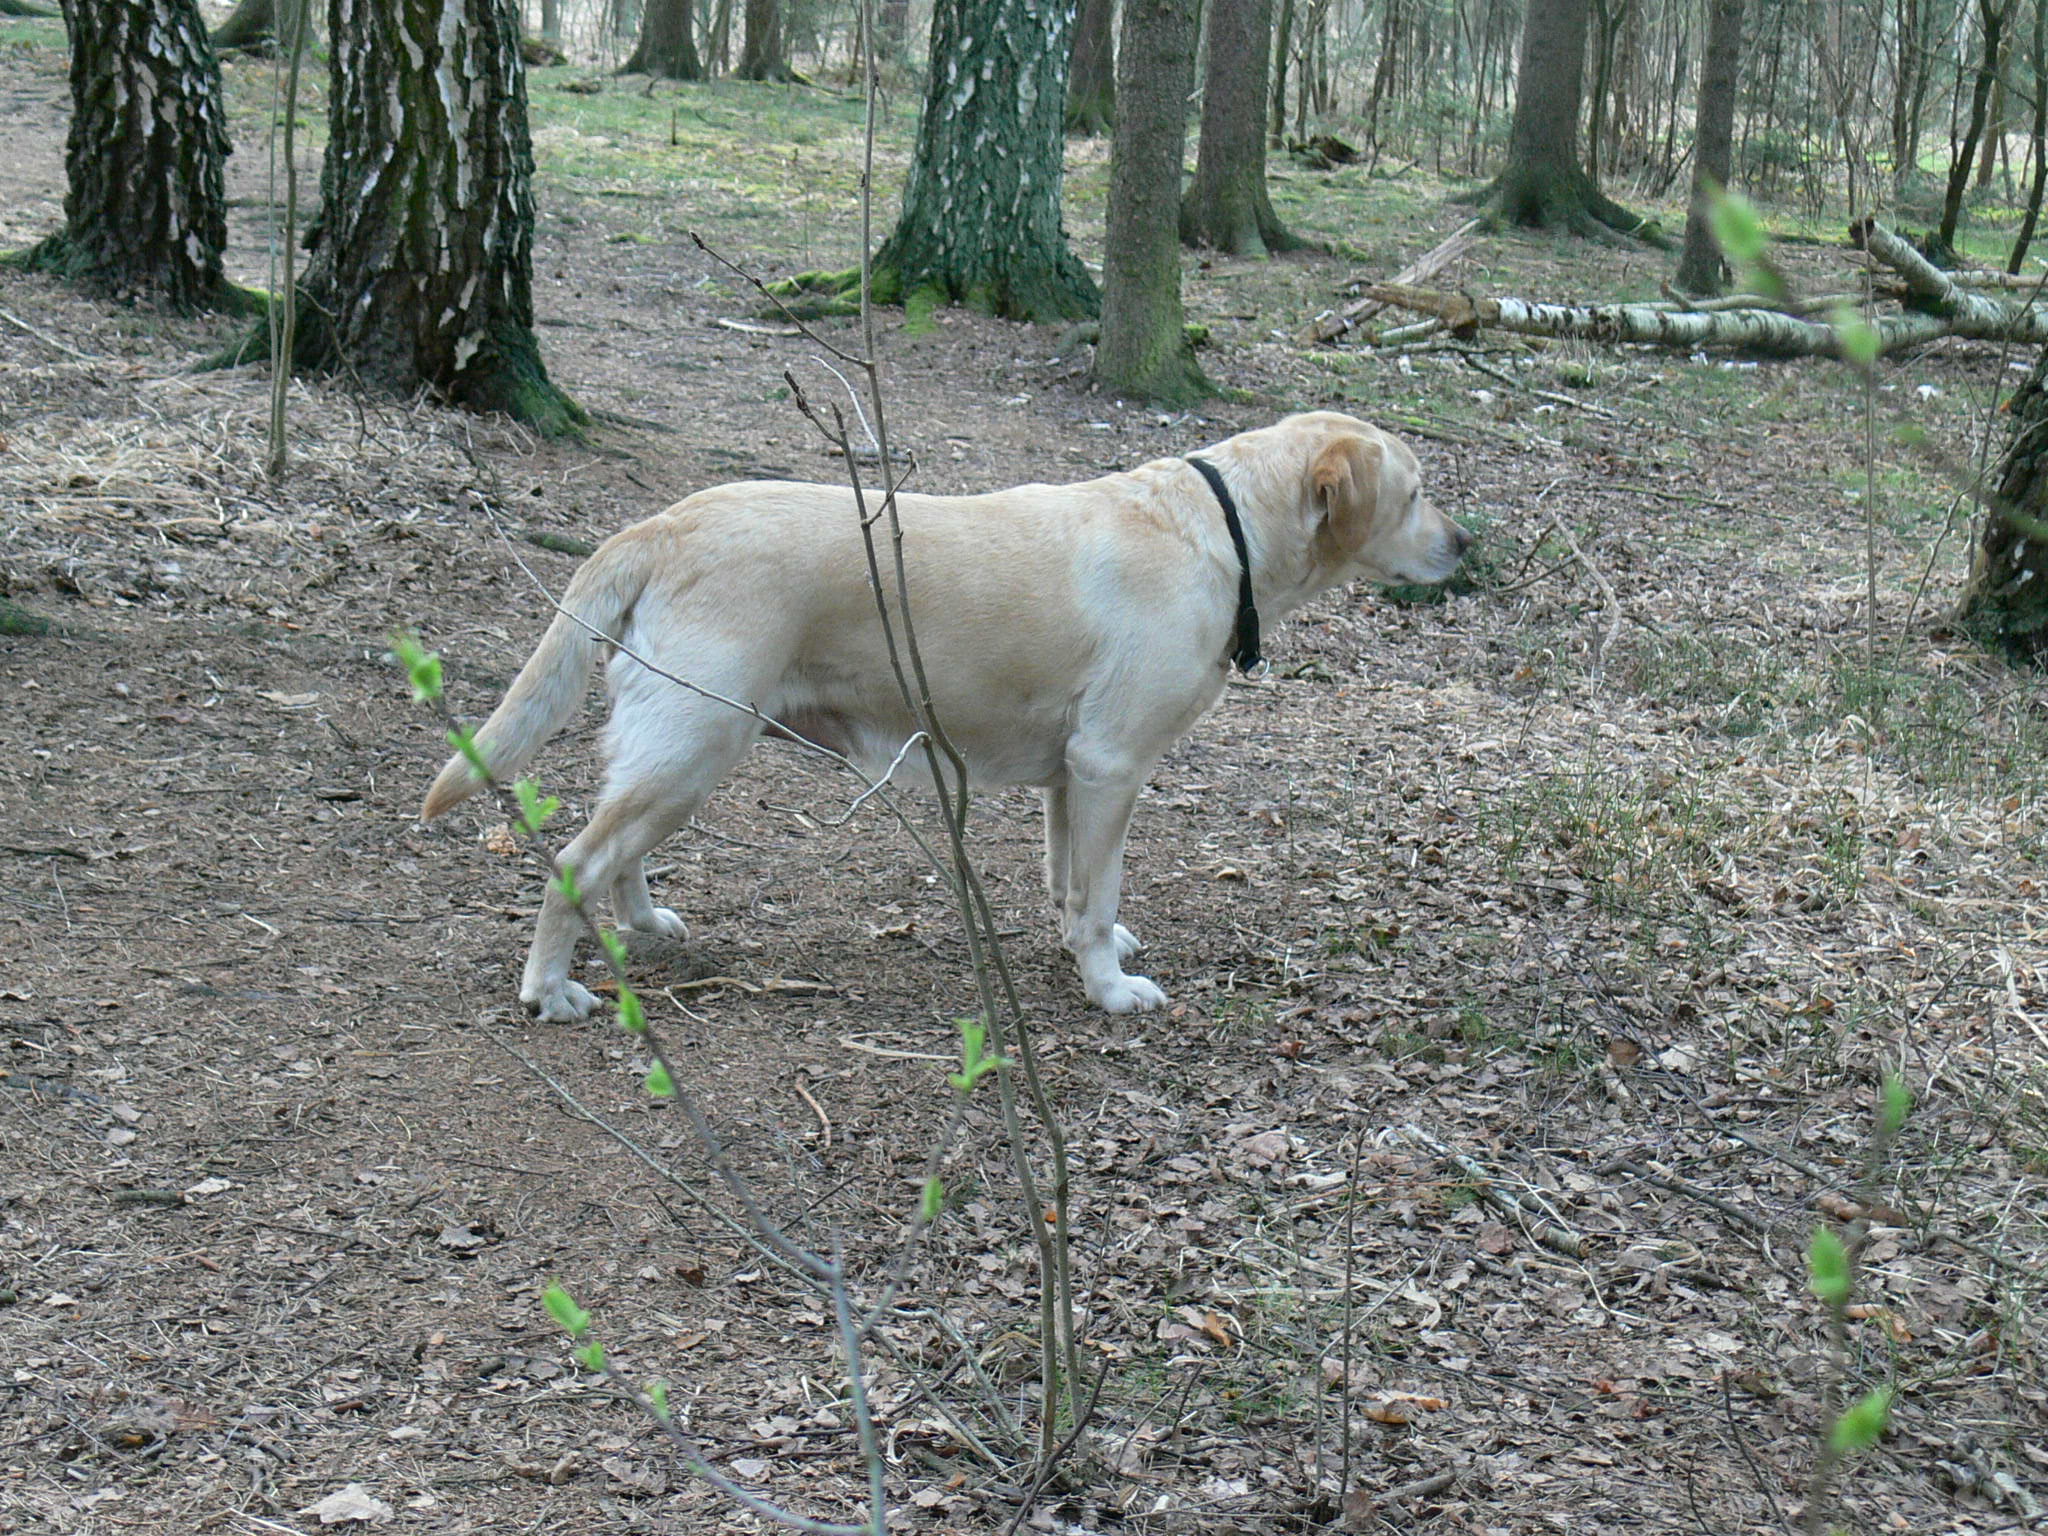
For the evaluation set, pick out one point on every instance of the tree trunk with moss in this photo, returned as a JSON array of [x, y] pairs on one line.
[[1700, 267], [1543, 185], [145, 209], [2007, 598], [1227, 207], [981, 215], [1091, 69], [1143, 347], [764, 49], [424, 271], [667, 48]]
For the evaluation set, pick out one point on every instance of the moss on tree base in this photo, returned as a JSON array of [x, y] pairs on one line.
[[829, 294], [1548, 198], [16, 620], [59, 256], [505, 374]]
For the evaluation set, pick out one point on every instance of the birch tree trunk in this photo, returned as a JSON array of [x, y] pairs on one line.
[[1143, 349], [145, 210], [424, 271], [981, 215]]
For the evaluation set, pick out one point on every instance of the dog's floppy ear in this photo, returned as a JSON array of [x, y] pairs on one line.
[[1345, 479]]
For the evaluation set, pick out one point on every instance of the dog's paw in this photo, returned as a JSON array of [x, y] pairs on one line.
[[563, 1003], [1127, 942], [1127, 994], [662, 923]]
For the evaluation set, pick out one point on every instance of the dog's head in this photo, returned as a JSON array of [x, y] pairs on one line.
[[1371, 519]]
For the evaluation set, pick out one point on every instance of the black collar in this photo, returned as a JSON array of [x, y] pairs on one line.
[[1246, 656]]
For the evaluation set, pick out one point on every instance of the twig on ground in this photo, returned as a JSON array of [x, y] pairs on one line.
[[47, 339], [1614, 604], [1421, 1488], [1472, 361], [1678, 1186], [1545, 1231]]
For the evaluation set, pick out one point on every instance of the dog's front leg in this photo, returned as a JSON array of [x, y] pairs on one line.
[[1098, 812], [545, 987], [1058, 860]]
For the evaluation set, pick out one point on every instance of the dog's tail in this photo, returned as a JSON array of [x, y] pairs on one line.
[[551, 685]]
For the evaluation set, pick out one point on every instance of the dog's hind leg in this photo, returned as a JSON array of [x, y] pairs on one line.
[[633, 905], [663, 767], [1055, 798]]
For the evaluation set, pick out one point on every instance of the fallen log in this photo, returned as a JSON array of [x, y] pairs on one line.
[[1759, 332], [1965, 277], [1329, 326]]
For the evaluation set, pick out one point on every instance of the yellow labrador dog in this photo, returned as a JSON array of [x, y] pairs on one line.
[[1071, 633]]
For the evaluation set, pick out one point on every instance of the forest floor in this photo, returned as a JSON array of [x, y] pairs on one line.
[[1624, 875]]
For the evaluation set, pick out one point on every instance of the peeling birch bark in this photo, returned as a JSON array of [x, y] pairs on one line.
[[981, 213]]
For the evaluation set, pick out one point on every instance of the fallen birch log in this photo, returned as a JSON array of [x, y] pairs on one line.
[[1966, 277], [1760, 332]]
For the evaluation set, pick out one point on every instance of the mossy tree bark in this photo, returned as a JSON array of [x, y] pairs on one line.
[[764, 48], [1700, 267], [424, 271], [2007, 597], [981, 214], [667, 48], [145, 208], [1143, 347], [1543, 185], [1227, 207], [1091, 69]]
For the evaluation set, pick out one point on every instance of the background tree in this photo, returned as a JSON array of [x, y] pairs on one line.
[[1542, 183], [764, 48], [1991, 37], [256, 24], [1143, 347], [1091, 69], [2007, 597], [981, 214], [1700, 268], [2037, 138], [424, 270], [1283, 50], [1227, 207], [146, 204], [667, 48]]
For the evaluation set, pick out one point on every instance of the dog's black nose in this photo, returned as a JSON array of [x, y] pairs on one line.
[[1463, 539]]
